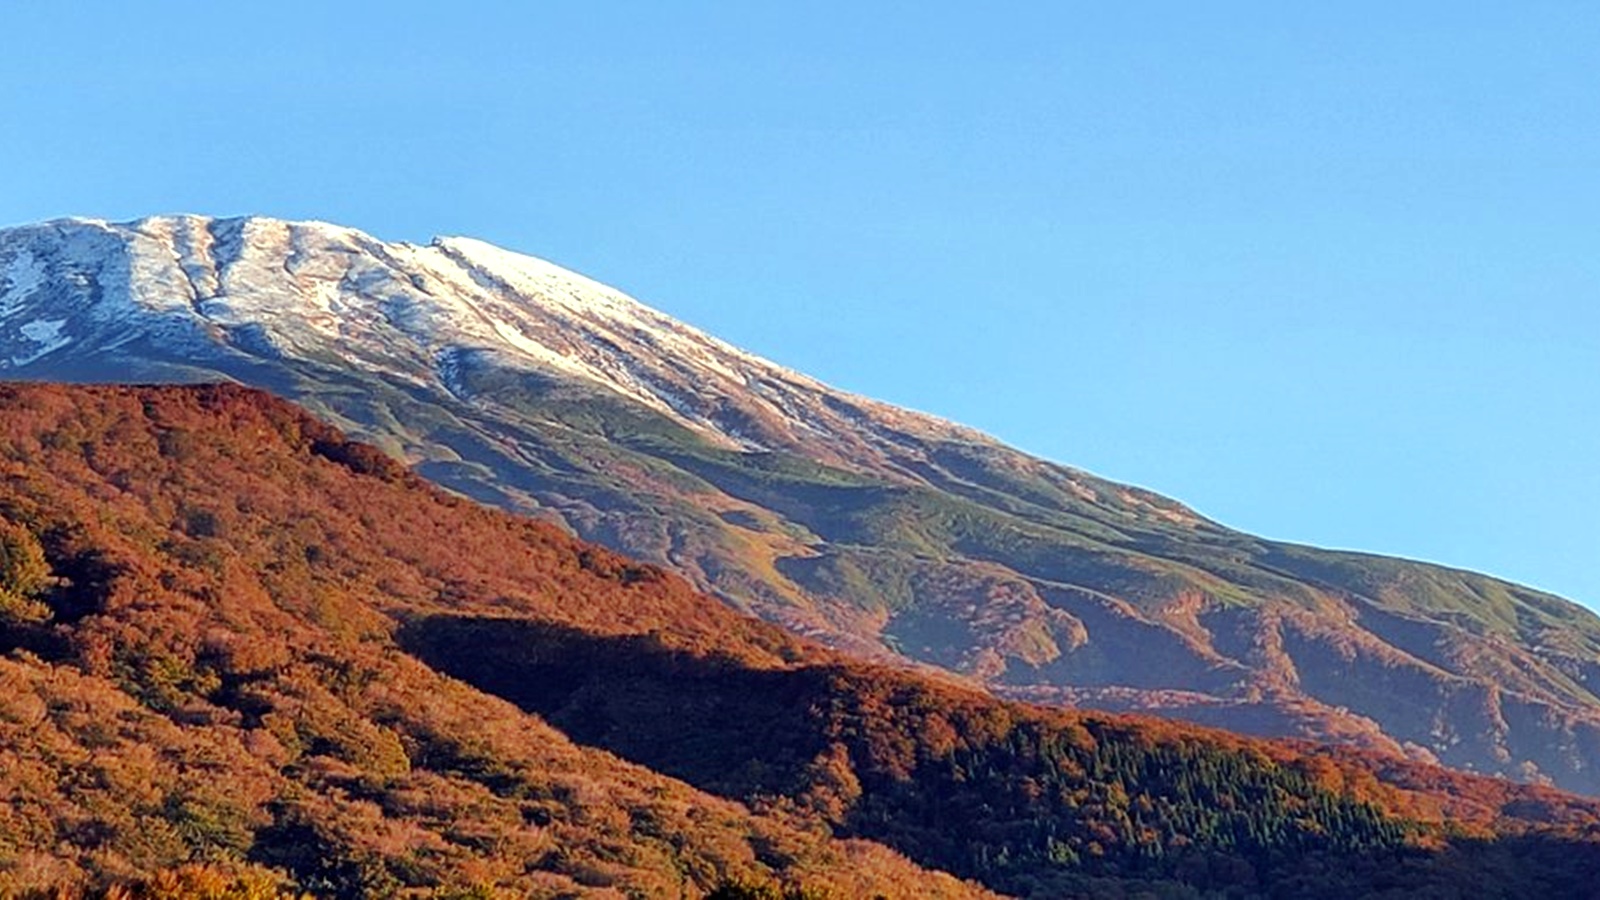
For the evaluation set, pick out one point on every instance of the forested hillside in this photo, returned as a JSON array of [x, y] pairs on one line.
[[201, 591], [233, 637]]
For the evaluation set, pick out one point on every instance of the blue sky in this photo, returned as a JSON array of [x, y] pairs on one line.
[[1327, 274]]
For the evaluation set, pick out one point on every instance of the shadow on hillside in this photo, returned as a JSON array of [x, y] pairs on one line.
[[709, 720], [42, 641]]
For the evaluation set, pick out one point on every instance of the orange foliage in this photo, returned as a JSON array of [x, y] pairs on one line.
[[223, 671]]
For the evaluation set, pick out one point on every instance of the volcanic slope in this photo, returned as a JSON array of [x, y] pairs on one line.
[[880, 531], [199, 589], [229, 635]]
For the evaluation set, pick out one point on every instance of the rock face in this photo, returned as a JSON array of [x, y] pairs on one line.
[[878, 530]]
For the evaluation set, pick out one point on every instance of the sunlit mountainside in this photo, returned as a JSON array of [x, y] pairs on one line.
[[230, 637]]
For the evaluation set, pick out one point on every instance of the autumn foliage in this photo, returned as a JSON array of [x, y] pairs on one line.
[[238, 646]]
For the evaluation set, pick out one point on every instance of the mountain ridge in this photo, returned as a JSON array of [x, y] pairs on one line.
[[884, 532]]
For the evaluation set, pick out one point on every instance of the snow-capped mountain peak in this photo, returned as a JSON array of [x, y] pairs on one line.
[[198, 290]]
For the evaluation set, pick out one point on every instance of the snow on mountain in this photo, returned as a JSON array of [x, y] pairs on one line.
[[216, 287]]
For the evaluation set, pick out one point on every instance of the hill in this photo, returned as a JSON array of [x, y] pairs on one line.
[[233, 636], [201, 588]]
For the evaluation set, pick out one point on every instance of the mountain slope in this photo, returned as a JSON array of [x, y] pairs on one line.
[[877, 530], [197, 594], [225, 634]]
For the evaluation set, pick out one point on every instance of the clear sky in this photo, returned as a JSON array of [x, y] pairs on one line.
[[1326, 272]]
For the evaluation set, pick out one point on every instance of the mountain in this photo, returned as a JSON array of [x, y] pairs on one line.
[[200, 591], [882, 532], [230, 637]]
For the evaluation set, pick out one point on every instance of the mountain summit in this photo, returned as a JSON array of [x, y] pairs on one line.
[[219, 290], [881, 531]]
